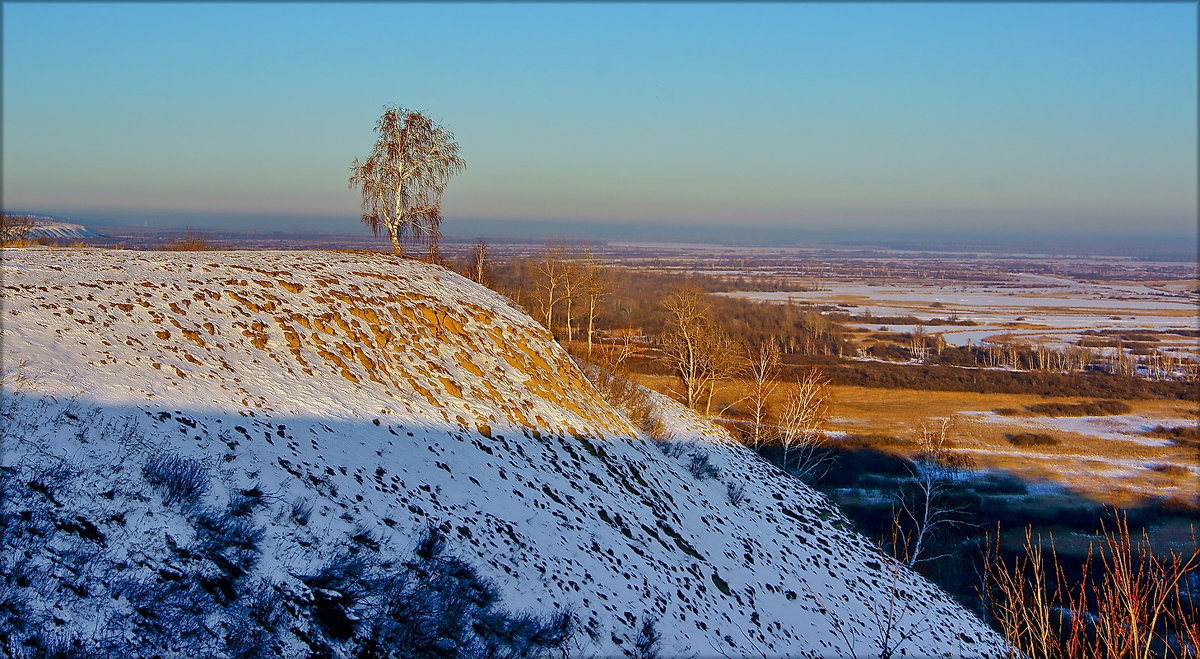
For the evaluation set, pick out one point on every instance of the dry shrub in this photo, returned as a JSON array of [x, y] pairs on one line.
[[633, 400], [701, 466], [191, 241], [1177, 471], [1181, 434], [1031, 439], [1089, 408], [1130, 600], [181, 479], [14, 230]]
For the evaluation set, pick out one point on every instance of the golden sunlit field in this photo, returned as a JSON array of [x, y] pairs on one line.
[[1107, 458]]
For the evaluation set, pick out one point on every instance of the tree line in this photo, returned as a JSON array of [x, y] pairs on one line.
[[617, 318]]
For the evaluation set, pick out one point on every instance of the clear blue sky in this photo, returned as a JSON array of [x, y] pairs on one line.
[[796, 116]]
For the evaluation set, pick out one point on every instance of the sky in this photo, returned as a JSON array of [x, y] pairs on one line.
[[791, 119]]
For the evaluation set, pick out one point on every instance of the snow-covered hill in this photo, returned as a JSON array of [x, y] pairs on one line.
[[53, 229], [253, 441]]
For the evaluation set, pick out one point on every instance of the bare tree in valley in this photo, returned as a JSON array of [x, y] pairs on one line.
[[802, 418], [479, 263], [701, 354], [572, 291], [764, 363], [597, 286], [403, 179], [682, 347], [14, 228], [722, 361], [918, 347], [623, 345], [550, 274], [924, 510]]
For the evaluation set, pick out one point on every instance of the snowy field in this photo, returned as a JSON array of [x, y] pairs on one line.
[[1116, 428], [1035, 309], [1100, 455]]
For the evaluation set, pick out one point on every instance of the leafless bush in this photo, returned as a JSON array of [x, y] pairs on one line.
[[890, 631], [180, 479], [245, 501], [1031, 439], [925, 507], [735, 493], [646, 643], [191, 241], [14, 229], [1175, 471], [672, 449], [301, 511], [701, 467], [433, 604], [800, 434]]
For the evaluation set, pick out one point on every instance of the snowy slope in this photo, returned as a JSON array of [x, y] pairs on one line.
[[61, 230], [391, 396]]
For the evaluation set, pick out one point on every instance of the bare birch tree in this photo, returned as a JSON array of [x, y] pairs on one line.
[[597, 286], [924, 510], [701, 354], [622, 346], [479, 263], [551, 273], [682, 346], [572, 291], [763, 370], [917, 345], [403, 179], [802, 418]]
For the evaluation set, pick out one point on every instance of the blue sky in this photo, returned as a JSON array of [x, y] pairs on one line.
[[802, 116]]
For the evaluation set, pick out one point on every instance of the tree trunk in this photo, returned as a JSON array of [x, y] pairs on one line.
[[591, 319], [395, 241], [570, 327]]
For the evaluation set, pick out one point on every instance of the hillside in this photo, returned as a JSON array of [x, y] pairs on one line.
[[228, 452], [55, 230]]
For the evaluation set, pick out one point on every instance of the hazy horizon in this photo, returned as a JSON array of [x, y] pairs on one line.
[[767, 120], [965, 237]]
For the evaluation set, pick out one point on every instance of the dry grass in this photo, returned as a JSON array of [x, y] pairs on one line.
[[191, 241], [42, 242], [900, 411], [1131, 599], [1080, 461]]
